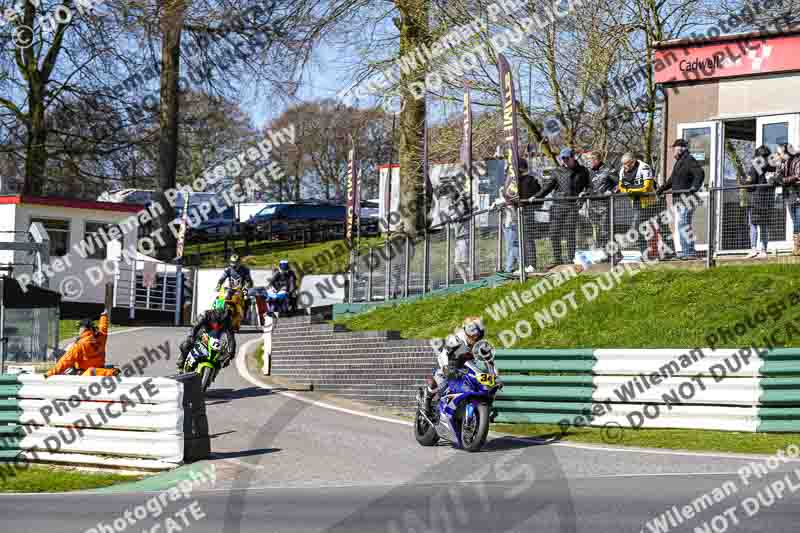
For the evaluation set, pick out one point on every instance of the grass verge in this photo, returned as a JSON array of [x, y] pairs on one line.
[[684, 439], [53, 479], [328, 257]]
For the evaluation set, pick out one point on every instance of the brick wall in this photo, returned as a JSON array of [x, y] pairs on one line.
[[360, 365]]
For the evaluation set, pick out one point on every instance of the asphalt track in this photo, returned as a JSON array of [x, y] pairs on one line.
[[285, 465]]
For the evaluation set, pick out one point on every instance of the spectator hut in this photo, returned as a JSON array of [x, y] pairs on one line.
[[78, 272], [726, 96]]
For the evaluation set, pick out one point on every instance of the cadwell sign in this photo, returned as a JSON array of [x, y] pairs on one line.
[[743, 57]]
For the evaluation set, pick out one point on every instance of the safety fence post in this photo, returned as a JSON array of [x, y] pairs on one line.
[[447, 275], [407, 261], [521, 240], [472, 247], [369, 277], [426, 267], [711, 233], [499, 265], [388, 278], [613, 260]]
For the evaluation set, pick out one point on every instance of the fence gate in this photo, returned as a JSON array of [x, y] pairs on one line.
[[146, 285]]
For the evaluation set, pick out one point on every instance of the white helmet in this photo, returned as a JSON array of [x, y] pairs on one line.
[[473, 327]]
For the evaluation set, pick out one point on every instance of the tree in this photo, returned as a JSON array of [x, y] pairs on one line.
[[318, 159]]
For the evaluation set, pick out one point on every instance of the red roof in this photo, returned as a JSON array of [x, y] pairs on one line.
[[69, 202]]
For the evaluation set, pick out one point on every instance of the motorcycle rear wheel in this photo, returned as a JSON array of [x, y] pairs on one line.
[[475, 430]]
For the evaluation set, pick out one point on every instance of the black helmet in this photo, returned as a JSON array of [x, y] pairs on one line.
[[86, 323]]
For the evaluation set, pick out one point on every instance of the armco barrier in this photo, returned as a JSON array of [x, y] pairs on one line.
[[724, 389], [51, 421]]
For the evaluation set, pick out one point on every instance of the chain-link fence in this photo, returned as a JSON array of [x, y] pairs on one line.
[[536, 235], [487, 243], [416, 269], [438, 253], [755, 220]]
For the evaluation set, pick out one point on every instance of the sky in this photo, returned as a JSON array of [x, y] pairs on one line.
[[323, 78]]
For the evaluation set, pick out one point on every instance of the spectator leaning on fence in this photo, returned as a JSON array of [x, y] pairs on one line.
[[686, 179], [528, 187], [636, 179], [758, 199], [603, 183], [567, 184], [459, 210], [788, 176]]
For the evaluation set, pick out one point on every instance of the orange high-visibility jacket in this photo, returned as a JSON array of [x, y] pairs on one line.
[[88, 351]]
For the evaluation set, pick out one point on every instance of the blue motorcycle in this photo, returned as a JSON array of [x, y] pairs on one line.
[[463, 409]]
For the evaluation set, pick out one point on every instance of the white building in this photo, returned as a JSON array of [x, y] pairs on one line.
[[68, 222]]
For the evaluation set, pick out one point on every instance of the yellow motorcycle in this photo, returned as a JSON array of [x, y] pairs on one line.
[[235, 299]]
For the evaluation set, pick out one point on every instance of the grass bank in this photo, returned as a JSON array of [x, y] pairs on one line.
[[328, 257], [55, 479], [651, 309]]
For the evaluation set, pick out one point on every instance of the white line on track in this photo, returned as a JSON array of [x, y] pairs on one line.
[[244, 372]]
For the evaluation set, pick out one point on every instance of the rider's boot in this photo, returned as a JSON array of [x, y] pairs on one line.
[[183, 352], [428, 392]]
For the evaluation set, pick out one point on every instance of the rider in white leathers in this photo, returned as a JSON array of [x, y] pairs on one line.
[[456, 351]]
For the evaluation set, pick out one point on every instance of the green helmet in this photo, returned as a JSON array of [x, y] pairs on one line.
[[219, 305]]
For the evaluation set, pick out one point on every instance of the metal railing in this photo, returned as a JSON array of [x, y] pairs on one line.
[[756, 221]]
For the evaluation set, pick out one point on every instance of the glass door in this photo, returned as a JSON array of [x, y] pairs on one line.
[[771, 131], [703, 142], [737, 147]]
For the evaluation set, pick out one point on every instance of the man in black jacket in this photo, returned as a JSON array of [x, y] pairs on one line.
[[568, 183], [604, 182], [686, 179], [528, 187]]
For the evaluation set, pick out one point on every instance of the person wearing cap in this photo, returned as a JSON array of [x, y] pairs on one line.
[[686, 179], [566, 185], [528, 186], [88, 352]]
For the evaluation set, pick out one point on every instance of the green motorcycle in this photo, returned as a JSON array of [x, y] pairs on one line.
[[204, 357]]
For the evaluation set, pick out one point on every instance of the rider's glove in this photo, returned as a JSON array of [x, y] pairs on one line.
[[186, 346]]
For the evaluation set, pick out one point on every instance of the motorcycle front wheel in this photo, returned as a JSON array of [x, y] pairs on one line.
[[206, 375], [424, 432], [475, 428]]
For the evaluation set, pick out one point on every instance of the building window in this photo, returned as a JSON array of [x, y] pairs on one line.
[[58, 231], [95, 240]]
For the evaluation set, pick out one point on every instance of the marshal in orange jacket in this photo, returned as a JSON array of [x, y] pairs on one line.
[[87, 352]]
